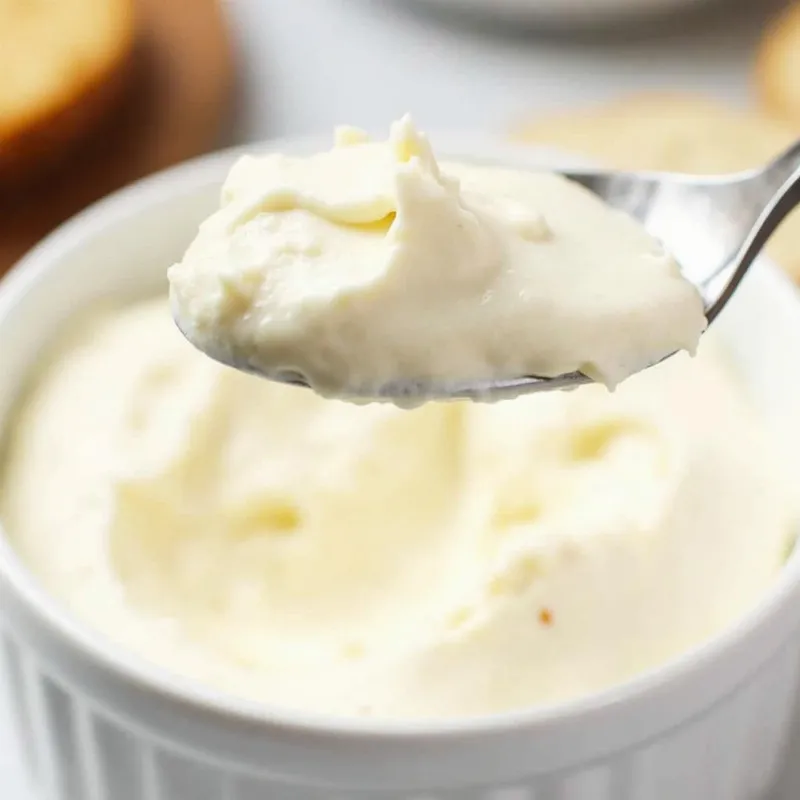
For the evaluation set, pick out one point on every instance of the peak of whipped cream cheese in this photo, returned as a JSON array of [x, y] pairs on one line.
[[372, 263]]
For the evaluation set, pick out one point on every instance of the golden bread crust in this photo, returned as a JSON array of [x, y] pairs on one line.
[[777, 66], [68, 62]]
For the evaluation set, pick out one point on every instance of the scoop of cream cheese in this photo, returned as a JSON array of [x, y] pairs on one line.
[[456, 559], [371, 264]]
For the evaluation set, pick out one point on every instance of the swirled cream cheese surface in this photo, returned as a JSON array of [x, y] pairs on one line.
[[371, 264], [456, 559]]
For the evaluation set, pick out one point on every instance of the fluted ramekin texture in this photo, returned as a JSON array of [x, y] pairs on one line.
[[100, 723]]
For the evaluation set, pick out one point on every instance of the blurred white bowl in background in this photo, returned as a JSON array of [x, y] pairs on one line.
[[561, 12]]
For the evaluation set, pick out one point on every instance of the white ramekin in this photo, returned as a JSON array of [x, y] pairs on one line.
[[99, 723]]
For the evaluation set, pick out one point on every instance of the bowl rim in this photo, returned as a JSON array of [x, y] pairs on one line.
[[91, 646]]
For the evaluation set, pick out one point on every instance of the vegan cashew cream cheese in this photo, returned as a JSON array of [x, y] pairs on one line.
[[362, 560], [372, 264]]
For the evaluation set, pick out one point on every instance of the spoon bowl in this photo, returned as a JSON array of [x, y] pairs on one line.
[[714, 227]]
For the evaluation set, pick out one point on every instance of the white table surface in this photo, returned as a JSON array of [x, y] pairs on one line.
[[308, 65]]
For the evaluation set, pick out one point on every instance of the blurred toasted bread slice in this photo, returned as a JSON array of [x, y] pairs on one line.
[[678, 133], [778, 66], [63, 64]]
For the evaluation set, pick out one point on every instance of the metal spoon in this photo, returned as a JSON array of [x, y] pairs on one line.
[[713, 226]]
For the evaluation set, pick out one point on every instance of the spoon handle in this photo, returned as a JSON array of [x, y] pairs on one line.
[[779, 185]]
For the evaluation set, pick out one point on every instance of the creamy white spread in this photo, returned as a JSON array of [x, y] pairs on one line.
[[456, 559], [371, 264]]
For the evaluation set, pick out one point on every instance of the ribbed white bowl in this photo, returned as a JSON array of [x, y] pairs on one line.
[[79, 748], [98, 723]]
